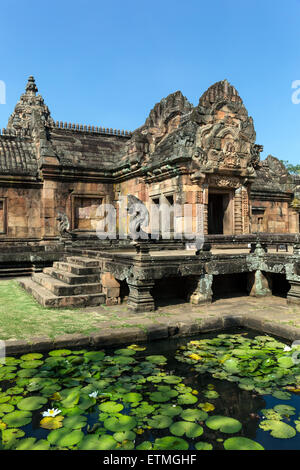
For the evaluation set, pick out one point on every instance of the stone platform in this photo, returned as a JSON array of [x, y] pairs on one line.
[[74, 282]]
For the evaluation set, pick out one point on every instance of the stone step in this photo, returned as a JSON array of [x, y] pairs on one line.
[[75, 268], [83, 261], [60, 288], [48, 299], [70, 278]]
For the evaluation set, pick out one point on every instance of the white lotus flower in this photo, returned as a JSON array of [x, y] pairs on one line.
[[51, 412], [93, 394], [287, 348]]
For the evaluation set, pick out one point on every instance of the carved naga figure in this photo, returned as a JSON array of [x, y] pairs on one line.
[[63, 224], [139, 216]]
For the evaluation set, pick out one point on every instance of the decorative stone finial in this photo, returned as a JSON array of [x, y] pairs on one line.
[[31, 87]]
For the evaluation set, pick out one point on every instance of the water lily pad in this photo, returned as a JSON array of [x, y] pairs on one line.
[[70, 398], [60, 352], [200, 445], [75, 422], [223, 423], [93, 442], [121, 423], [191, 430], [241, 443], [30, 443], [187, 399], [32, 403], [161, 397], [31, 364], [285, 410], [6, 408], [160, 421], [144, 409], [193, 414], [125, 352], [111, 407], [124, 436], [170, 443], [51, 422], [278, 429], [206, 406], [95, 356], [64, 437], [157, 359], [211, 394], [17, 418], [286, 362], [31, 356], [146, 445], [132, 397], [170, 410], [10, 434], [281, 395]]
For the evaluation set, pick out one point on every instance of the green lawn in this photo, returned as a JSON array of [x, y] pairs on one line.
[[22, 317]]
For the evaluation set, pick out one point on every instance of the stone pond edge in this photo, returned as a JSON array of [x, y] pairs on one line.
[[119, 336]]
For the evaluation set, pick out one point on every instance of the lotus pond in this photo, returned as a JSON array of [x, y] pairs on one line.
[[234, 390]]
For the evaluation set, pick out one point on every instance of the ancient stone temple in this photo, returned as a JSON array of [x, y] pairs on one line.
[[55, 175]]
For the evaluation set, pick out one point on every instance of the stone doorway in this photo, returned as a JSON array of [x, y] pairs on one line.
[[219, 213]]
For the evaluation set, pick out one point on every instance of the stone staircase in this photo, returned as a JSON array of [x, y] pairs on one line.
[[74, 282]]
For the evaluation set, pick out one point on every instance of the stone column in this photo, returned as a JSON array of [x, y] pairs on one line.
[[140, 298], [293, 296], [201, 290], [238, 217]]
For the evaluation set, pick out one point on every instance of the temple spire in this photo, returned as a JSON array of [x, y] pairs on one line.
[[31, 88]]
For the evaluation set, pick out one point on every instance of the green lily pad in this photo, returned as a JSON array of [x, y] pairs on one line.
[[146, 445], [17, 418], [11, 434], [278, 429], [111, 407], [200, 445], [161, 397], [95, 356], [286, 362], [241, 443], [70, 398], [157, 359], [223, 423], [125, 352], [193, 414], [132, 397], [64, 437], [160, 421], [191, 430], [170, 410], [187, 399], [32, 403], [93, 442], [31, 364], [281, 395], [31, 356], [124, 436], [75, 422], [211, 394], [30, 443], [60, 352], [121, 423], [170, 443], [285, 410], [6, 408]]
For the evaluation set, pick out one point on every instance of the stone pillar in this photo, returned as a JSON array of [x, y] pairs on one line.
[[111, 288], [293, 296], [205, 208], [140, 298], [201, 290], [238, 217], [258, 284]]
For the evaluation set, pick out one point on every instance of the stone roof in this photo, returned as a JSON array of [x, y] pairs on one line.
[[17, 156]]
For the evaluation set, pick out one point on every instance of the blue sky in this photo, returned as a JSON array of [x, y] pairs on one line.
[[107, 63]]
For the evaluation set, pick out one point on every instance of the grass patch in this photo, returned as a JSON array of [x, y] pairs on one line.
[[22, 317]]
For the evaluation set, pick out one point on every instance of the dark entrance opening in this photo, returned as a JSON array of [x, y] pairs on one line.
[[217, 206], [279, 284], [170, 290], [124, 290], [229, 285]]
